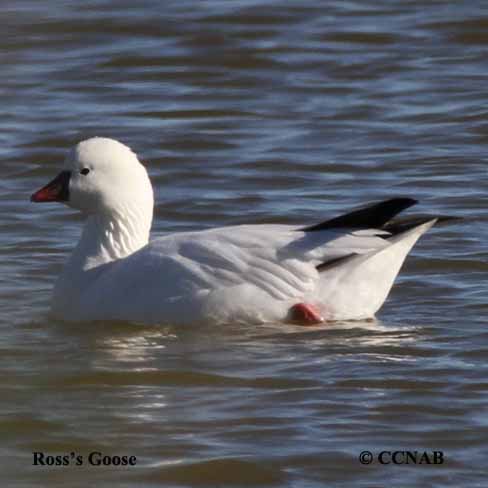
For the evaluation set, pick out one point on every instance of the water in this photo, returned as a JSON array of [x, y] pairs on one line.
[[249, 111]]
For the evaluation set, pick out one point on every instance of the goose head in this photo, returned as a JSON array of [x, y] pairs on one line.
[[100, 177]]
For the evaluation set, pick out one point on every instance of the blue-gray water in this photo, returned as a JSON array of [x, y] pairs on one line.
[[248, 111]]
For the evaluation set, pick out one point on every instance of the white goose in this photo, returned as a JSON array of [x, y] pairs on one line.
[[340, 269]]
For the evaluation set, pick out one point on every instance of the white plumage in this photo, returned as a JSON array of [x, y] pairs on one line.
[[246, 274]]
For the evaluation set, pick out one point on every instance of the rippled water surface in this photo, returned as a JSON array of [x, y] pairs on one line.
[[248, 111]]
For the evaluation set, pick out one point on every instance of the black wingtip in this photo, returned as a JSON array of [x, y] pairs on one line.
[[406, 202], [370, 217], [403, 224]]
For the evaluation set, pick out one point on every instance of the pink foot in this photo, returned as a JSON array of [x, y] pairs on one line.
[[305, 314]]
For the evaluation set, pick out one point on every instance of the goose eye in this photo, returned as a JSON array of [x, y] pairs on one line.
[[84, 171]]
